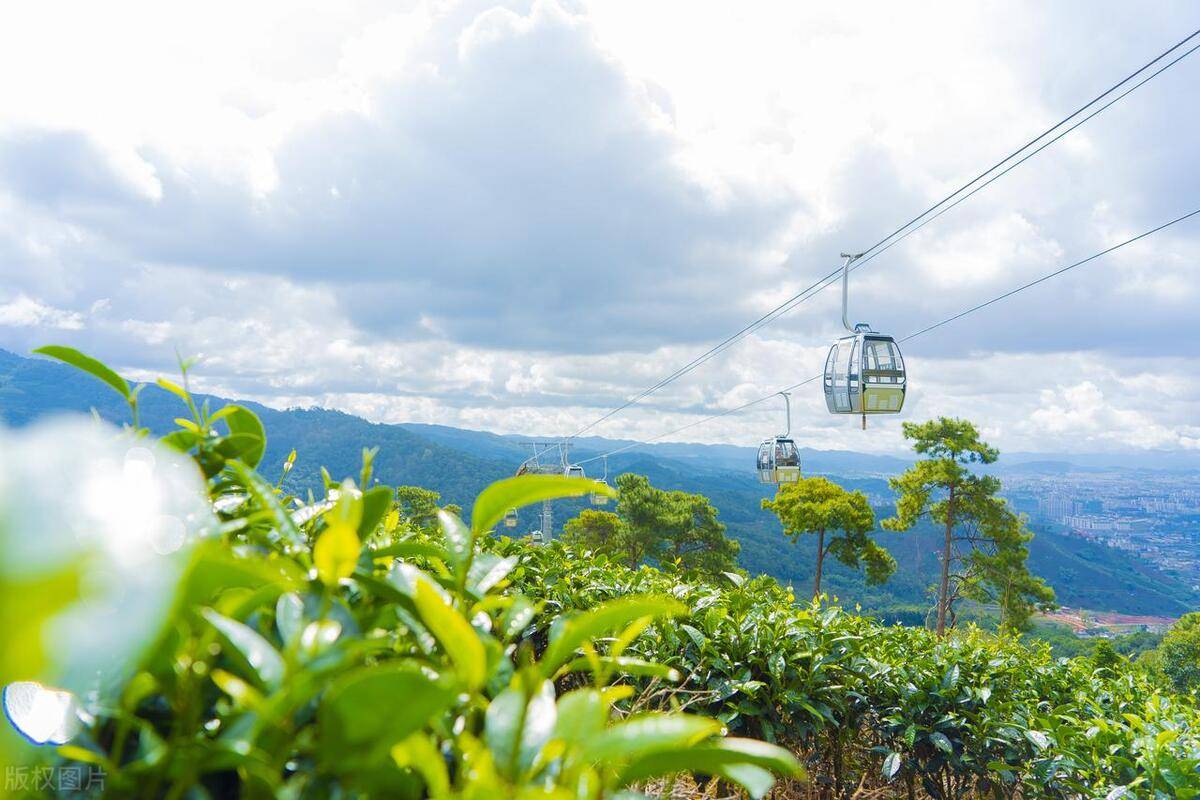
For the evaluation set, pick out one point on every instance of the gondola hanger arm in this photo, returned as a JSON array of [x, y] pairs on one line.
[[850, 259], [787, 400]]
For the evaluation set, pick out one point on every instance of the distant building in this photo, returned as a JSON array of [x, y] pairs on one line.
[[1056, 506], [1094, 633]]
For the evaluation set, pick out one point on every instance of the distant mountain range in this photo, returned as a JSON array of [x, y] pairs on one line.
[[459, 463]]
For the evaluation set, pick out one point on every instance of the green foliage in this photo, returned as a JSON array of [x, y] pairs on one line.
[[438, 661], [329, 648], [1179, 653], [950, 440], [418, 506], [970, 714], [598, 531], [1104, 655], [817, 506], [673, 529], [985, 545], [97, 369]]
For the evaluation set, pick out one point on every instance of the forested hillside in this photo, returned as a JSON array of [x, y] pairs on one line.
[[459, 463]]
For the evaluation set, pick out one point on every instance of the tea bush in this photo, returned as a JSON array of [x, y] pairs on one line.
[[972, 714], [328, 647]]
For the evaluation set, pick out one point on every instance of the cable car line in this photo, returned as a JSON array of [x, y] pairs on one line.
[[1048, 276], [1039, 149], [917, 222], [907, 338]]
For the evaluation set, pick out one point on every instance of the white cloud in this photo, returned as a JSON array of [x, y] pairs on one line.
[[1083, 413], [516, 215], [26, 312], [997, 252]]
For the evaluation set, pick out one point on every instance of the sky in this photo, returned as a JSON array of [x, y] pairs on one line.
[[514, 216]]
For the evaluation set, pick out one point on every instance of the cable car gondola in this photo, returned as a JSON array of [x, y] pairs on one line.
[[597, 498], [574, 471], [510, 518], [864, 372], [778, 458]]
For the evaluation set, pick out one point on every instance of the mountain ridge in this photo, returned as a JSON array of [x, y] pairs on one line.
[[459, 463]]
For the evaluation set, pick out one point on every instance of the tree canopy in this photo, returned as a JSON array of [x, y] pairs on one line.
[[672, 529], [985, 548], [419, 507], [820, 506], [1179, 653]]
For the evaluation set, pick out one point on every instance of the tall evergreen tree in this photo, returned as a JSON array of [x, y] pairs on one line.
[[985, 545]]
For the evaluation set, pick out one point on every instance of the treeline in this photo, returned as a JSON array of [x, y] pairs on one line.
[[984, 544]]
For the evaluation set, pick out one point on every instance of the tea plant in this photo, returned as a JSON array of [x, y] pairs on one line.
[[972, 714], [329, 647]]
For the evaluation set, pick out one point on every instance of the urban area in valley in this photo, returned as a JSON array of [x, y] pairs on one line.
[[1149, 515]]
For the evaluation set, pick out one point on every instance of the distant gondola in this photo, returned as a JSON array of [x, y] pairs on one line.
[[778, 457], [597, 498]]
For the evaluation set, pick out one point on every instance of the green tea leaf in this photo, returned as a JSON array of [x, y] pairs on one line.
[[283, 527], [289, 617], [367, 711], [460, 540], [602, 620], [419, 752], [487, 570], [411, 550], [375, 504], [245, 423], [755, 780], [581, 715], [242, 693], [516, 727], [651, 733], [746, 761], [181, 440], [627, 666], [91, 366], [215, 569], [495, 501], [174, 389], [517, 618], [257, 651], [453, 632], [336, 553], [1039, 739]]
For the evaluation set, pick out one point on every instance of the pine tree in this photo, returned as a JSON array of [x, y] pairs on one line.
[[985, 544]]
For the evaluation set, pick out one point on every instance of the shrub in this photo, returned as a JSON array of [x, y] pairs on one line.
[[1179, 653]]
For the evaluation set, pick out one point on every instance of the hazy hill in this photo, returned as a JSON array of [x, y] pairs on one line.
[[458, 463]]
